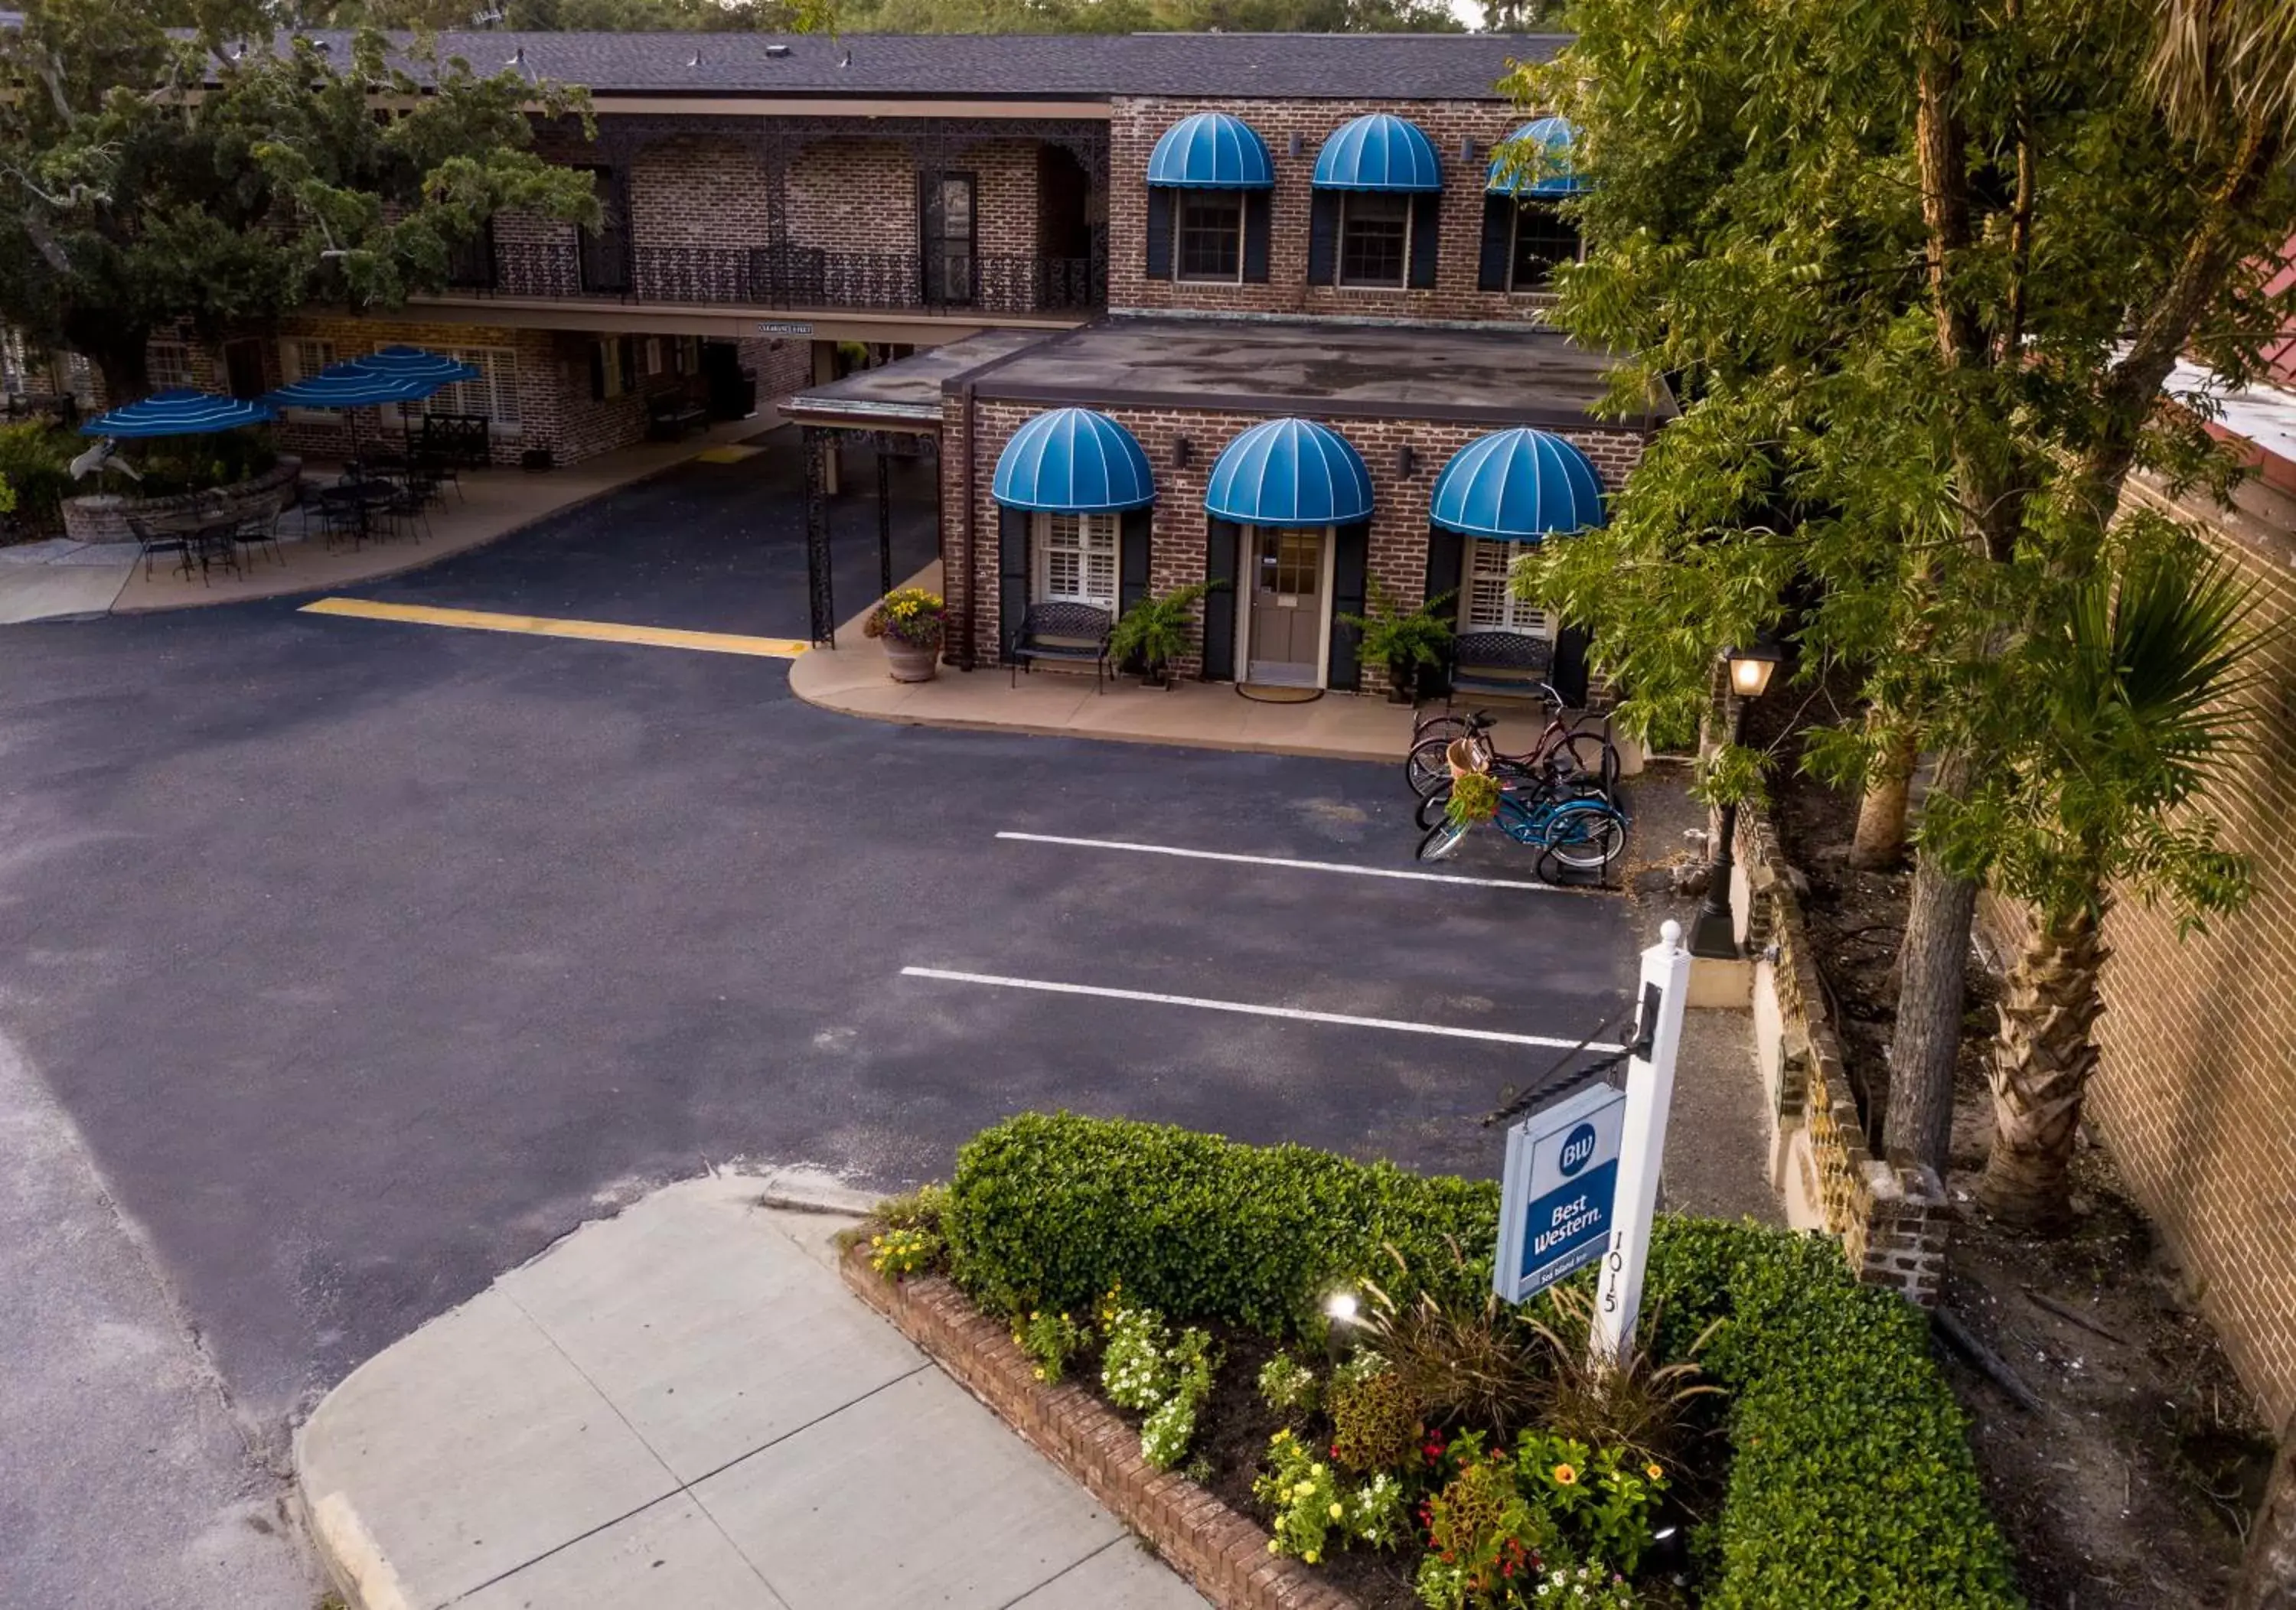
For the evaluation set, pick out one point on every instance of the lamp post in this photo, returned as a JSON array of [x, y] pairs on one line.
[[1714, 934]]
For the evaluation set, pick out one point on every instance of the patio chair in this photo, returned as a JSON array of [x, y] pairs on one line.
[[149, 542], [260, 530]]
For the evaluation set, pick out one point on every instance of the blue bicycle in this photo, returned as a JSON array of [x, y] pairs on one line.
[[1580, 833]]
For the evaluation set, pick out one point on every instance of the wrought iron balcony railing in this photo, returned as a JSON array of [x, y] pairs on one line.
[[944, 280]]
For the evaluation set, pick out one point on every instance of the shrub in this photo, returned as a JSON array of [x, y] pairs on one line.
[[1852, 1482], [36, 465], [1049, 1211], [1478, 1365], [919, 1209]]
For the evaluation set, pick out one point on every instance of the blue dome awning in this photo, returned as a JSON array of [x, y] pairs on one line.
[[1212, 150], [179, 412], [1073, 460], [1290, 472], [1379, 151], [347, 386], [1516, 172], [1519, 484]]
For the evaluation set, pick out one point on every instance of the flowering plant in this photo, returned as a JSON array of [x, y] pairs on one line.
[[1051, 1340], [1600, 1501], [1305, 1497], [1288, 1386], [896, 1252], [907, 615], [1143, 1368]]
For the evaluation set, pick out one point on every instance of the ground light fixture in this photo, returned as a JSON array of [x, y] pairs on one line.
[[1714, 934], [1342, 1307]]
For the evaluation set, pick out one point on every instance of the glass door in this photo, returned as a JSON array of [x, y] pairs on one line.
[[945, 231]]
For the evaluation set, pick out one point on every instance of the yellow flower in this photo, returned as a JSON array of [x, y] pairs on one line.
[[1310, 1557], [1040, 1372], [1565, 1476], [1653, 1472], [1335, 1512], [876, 1240], [1273, 1546], [1303, 1490], [1315, 1470]]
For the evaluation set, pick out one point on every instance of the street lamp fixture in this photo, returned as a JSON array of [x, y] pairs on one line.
[[1714, 934]]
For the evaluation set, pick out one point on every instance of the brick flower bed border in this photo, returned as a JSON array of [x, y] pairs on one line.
[[1224, 1555]]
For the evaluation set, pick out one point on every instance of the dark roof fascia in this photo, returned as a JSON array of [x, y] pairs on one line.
[[1329, 408]]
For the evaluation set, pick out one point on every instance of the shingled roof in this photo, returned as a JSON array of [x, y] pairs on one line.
[[1380, 67]]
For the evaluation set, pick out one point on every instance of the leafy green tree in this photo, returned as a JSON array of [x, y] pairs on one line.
[[1919, 269], [150, 175]]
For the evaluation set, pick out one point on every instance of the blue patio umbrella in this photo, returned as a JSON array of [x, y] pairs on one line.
[[435, 369], [347, 385], [179, 412]]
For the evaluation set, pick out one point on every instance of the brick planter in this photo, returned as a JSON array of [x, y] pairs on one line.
[[1224, 1555], [103, 517]]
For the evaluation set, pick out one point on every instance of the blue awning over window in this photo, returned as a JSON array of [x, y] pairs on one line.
[[1511, 171], [1520, 485], [1290, 472], [1212, 150], [1073, 460], [1379, 151]]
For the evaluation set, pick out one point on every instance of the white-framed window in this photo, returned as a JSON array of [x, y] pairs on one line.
[[1075, 559], [493, 396], [1375, 239], [1490, 604], [168, 365], [17, 362], [300, 358], [79, 379], [653, 360]]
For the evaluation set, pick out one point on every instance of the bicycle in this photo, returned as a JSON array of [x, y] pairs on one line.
[[1579, 833], [1589, 755]]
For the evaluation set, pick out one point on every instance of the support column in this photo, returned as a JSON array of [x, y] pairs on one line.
[[817, 538], [884, 514]]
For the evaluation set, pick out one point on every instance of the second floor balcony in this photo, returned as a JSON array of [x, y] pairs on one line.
[[951, 283]]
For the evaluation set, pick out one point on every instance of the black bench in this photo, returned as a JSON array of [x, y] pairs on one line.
[[669, 418], [1071, 632], [1511, 665]]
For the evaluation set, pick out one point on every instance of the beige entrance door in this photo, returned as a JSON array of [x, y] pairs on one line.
[[1287, 608]]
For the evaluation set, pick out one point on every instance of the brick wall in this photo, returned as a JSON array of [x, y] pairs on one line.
[[2196, 1093], [854, 195], [1177, 554], [698, 192], [1137, 123]]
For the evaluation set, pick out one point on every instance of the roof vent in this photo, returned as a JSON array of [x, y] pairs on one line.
[[848, 61], [517, 57], [323, 45], [694, 60], [777, 50]]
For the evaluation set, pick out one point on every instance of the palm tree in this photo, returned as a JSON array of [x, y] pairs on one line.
[[2143, 687]]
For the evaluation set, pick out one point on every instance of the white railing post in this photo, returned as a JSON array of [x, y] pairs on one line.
[[1664, 991]]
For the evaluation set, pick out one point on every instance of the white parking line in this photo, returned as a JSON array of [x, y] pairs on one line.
[[1297, 1013], [1283, 860]]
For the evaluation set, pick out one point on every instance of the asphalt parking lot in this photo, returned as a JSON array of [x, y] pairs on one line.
[[368, 959]]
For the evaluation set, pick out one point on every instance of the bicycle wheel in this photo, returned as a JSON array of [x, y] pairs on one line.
[[1586, 837], [1428, 765], [1589, 759], [1436, 807], [1441, 840]]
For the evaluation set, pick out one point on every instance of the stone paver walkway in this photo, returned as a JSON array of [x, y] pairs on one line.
[[683, 1406]]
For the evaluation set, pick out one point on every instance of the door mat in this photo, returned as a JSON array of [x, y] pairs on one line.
[[733, 453], [1270, 693]]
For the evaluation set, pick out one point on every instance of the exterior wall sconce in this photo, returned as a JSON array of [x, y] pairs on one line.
[[1184, 452], [1715, 933], [1298, 143], [1406, 461], [1466, 148]]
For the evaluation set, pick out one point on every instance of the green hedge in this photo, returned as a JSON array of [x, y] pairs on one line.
[[1850, 1483]]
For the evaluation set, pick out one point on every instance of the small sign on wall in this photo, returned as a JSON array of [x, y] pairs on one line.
[[768, 327], [1559, 1192]]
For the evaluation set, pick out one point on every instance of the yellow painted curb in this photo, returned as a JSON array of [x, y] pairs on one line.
[[539, 625]]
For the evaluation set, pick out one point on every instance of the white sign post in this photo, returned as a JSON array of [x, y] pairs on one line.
[[1665, 990]]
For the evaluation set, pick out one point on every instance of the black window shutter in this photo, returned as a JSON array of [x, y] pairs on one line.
[[1133, 537], [1426, 240], [1568, 673], [1159, 233], [629, 364], [1012, 573], [1498, 240], [1350, 558], [1255, 237], [1219, 604], [598, 371], [1323, 237], [1446, 567]]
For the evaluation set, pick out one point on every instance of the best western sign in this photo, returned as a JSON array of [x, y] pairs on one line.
[[1560, 1191]]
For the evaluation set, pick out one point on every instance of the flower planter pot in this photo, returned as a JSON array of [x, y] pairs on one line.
[[909, 663], [1402, 685]]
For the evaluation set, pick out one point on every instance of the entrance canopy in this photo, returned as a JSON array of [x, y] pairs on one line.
[[1520, 485], [1290, 472], [1073, 460]]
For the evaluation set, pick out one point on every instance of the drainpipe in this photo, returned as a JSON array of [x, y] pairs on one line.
[[970, 634]]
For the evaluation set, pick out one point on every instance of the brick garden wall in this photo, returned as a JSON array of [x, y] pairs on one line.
[[2196, 1094], [1399, 527], [1137, 124]]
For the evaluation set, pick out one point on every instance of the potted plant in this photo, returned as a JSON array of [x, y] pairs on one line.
[[1401, 640], [1156, 631], [909, 620]]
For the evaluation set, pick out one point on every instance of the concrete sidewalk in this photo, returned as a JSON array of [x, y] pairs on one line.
[[683, 1405]]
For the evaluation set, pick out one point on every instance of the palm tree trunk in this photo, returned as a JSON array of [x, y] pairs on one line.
[[2268, 1579], [1934, 957], [2042, 1060], [1881, 836]]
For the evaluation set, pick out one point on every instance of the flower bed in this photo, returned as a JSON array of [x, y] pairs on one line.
[[1458, 1454], [103, 516]]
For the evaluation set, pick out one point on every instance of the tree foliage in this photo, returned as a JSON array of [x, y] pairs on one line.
[[152, 175]]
